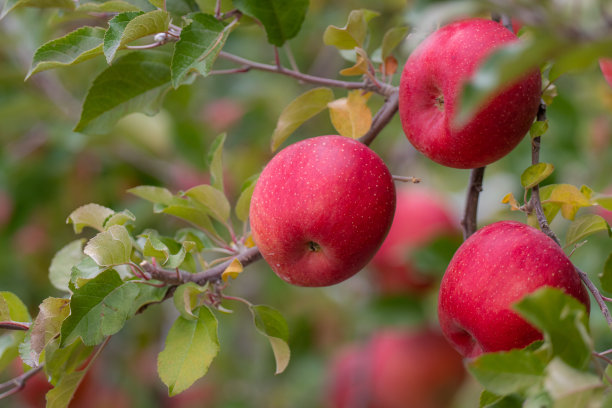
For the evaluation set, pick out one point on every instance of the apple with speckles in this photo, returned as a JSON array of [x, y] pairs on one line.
[[421, 216], [429, 94], [494, 268], [321, 209]]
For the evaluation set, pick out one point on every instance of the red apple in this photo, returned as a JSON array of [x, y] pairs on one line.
[[420, 217], [606, 68], [321, 209], [494, 268], [430, 89], [397, 369]]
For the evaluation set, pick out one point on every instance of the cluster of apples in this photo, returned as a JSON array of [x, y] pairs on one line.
[[323, 206]]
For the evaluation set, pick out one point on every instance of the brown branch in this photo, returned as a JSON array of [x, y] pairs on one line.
[[469, 223], [16, 384], [382, 117], [598, 298], [9, 325]]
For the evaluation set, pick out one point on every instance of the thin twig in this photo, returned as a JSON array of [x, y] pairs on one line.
[[598, 298], [230, 71], [469, 221], [291, 58], [19, 381], [404, 179], [382, 117], [9, 325], [218, 9]]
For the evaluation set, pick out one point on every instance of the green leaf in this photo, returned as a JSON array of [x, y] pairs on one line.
[[211, 199], [130, 26], [605, 202], [579, 57], [147, 295], [199, 45], [564, 321], [156, 195], [502, 67], [120, 218], [538, 128], [392, 38], [13, 309], [9, 347], [110, 6], [46, 326], [11, 5], [282, 19], [434, 257], [273, 325], [214, 159], [569, 198], [186, 299], [534, 175], [89, 215], [63, 262], [61, 361], [508, 372], [136, 82], [98, 309], [191, 345], [605, 277], [490, 400], [78, 46], [166, 250], [111, 247], [84, 271], [299, 111], [243, 204], [61, 395], [550, 209], [569, 387], [195, 216], [584, 226], [353, 34]]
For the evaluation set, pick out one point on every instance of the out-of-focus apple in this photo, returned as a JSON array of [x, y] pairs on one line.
[[421, 216], [321, 209], [606, 69]]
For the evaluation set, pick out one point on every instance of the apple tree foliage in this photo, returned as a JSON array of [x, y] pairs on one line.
[[158, 47]]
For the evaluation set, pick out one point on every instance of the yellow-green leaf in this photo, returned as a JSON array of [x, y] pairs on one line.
[[569, 198], [353, 34], [299, 111], [233, 270], [185, 299], [212, 199], [244, 200], [111, 247], [152, 194], [538, 128], [360, 67], [272, 324], [605, 202], [89, 215], [584, 226], [392, 38], [351, 116], [110, 6], [534, 175]]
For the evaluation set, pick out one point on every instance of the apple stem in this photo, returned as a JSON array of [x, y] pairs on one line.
[[469, 221]]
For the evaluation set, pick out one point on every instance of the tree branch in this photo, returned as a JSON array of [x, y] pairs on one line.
[[382, 117], [10, 325], [469, 223], [596, 294], [16, 384]]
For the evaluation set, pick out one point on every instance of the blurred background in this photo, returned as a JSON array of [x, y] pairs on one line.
[[47, 171]]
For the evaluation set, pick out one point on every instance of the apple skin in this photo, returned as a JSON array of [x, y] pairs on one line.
[[397, 369], [321, 209], [420, 217], [494, 268], [606, 69], [430, 89]]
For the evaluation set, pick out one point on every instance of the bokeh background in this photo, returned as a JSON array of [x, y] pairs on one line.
[[46, 171]]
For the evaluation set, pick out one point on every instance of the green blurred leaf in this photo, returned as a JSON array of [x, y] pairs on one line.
[[185, 299], [281, 19], [11, 5], [61, 395], [153, 194], [586, 191], [199, 45], [193, 215], [605, 276], [111, 247], [564, 321], [13, 309], [136, 82], [191, 345], [583, 226], [9, 347], [502, 67], [61, 361], [434, 257], [550, 209], [569, 387], [243, 204], [63, 262], [490, 400], [538, 128], [508, 372], [194, 235], [299, 111], [110, 6], [273, 325], [579, 58], [534, 175], [77, 46], [392, 38], [46, 326], [605, 202], [214, 158], [353, 34], [98, 309], [89, 215], [211, 199], [130, 26]]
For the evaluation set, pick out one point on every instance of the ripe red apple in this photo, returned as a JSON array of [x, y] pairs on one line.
[[494, 268], [430, 89], [321, 209], [606, 68], [421, 216], [397, 369]]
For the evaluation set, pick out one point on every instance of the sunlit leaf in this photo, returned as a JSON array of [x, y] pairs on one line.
[[191, 345], [63, 262], [569, 198], [351, 116], [538, 128], [584, 226], [534, 175], [353, 34], [89, 215], [299, 111], [111, 247], [281, 19], [153, 194], [272, 324], [120, 218], [77, 46], [233, 270]]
